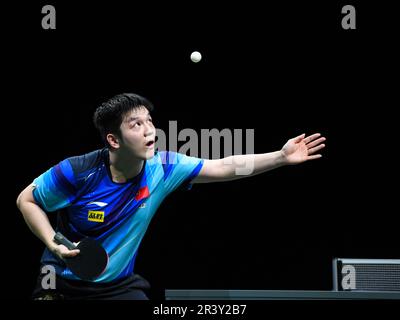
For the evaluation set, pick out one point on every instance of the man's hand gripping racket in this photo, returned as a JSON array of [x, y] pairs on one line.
[[89, 262]]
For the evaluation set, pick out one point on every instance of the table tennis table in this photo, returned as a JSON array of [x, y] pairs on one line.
[[279, 295]]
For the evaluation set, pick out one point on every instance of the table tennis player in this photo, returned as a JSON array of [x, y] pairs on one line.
[[111, 195]]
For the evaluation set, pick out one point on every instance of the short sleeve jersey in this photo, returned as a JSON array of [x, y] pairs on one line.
[[90, 204]]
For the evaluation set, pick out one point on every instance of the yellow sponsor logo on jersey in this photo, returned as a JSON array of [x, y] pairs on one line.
[[96, 216]]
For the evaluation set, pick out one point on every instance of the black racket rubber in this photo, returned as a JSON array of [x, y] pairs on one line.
[[92, 260]]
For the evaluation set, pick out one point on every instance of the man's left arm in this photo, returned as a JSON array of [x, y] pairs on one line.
[[295, 151]]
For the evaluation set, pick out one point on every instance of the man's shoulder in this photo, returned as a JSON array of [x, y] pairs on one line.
[[163, 158], [87, 161]]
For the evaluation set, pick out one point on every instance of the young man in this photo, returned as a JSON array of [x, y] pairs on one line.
[[125, 182]]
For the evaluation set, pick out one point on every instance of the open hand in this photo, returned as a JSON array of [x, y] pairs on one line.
[[302, 148]]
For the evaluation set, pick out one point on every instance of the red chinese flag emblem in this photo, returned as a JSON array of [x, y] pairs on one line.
[[142, 193]]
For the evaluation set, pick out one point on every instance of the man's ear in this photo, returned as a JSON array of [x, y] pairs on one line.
[[113, 140]]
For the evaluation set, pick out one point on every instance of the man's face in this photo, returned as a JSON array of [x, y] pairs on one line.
[[138, 133]]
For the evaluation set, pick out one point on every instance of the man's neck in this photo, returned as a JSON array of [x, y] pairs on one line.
[[124, 167]]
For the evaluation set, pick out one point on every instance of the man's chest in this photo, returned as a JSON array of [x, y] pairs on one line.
[[105, 206]]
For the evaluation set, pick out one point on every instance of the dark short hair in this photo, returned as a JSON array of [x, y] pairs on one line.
[[109, 115]]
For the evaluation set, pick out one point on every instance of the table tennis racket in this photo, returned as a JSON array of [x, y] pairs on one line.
[[90, 262]]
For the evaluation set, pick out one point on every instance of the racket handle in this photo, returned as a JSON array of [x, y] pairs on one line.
[[60, 239]]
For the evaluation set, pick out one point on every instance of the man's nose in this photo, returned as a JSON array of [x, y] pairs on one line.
[[148, 129]]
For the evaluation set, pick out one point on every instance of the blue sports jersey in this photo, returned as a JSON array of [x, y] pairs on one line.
[[115, 214]]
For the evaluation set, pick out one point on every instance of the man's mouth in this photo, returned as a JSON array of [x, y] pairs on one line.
[[150, 143]]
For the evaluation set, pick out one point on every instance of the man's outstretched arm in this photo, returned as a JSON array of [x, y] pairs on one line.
[[295, 151]]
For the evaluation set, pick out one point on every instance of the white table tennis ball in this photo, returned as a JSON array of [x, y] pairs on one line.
[[195, 56]]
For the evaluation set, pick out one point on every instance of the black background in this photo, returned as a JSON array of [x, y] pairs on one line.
[[281, 69]]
